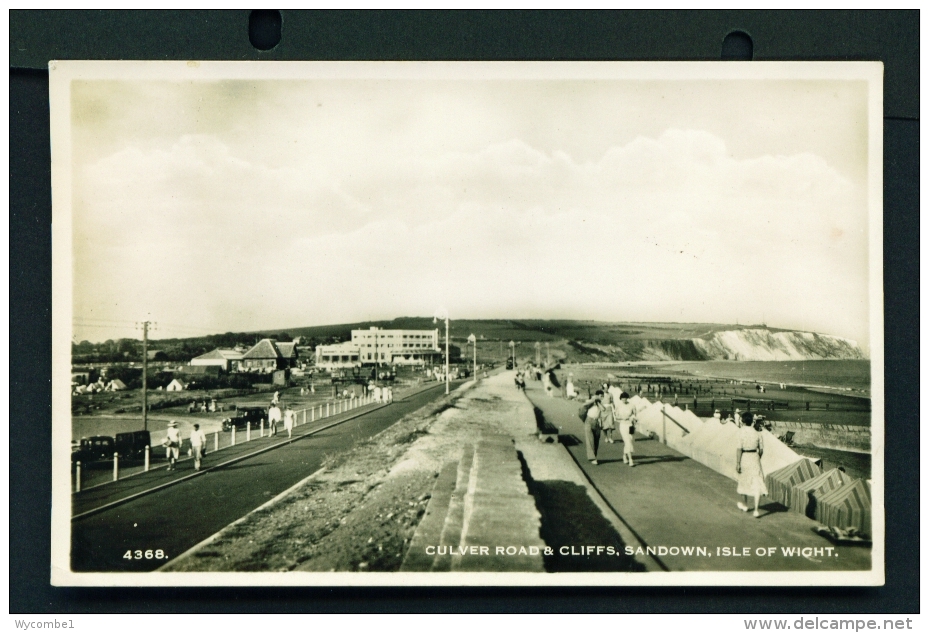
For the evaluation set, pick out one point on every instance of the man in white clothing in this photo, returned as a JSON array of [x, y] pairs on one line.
[[172, 444], [197, 445]]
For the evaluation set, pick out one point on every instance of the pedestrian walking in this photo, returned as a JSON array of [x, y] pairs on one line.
[[290, 419], [547, 384], [607, 424], [197, 445], [748, 465], [626, 417], [570, 392], [274, 416], [172, 443], [592, 426]]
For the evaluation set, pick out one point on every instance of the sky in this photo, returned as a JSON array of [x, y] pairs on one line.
[[241, 205]]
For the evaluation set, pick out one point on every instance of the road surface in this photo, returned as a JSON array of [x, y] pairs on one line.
[[169, 521]]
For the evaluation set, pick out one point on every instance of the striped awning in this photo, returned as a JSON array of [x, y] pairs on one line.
[[847, 506], [805, 495], [781, 481]]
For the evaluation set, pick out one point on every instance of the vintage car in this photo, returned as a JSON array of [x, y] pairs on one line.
[[243, 416], [93, 449], [132, 445]]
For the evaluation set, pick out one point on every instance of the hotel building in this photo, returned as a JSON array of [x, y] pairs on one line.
[[385, 347]]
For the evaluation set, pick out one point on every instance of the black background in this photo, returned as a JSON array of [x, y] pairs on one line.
[[39, 36]]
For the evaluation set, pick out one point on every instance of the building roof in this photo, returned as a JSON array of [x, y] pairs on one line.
[[263, 349], [221, 354], [287, 350]]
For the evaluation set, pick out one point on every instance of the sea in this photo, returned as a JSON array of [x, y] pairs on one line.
[[852, 376]]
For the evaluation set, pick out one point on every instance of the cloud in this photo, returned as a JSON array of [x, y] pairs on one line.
[[661, 228]]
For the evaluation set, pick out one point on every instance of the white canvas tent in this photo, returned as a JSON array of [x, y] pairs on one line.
[[668, 423]]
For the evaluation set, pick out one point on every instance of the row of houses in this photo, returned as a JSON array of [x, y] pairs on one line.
[[366, 347], [265, 356]]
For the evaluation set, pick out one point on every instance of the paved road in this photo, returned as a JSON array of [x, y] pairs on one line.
[[669, 500], [177, 517]]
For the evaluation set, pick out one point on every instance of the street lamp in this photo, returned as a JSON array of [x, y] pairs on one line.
[[473, 340], [442, 313]]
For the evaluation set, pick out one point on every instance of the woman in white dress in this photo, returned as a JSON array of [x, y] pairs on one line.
[[607, 423], [748, 465], [624, 413]]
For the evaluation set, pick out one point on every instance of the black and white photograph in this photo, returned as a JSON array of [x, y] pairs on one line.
[[467, 323]]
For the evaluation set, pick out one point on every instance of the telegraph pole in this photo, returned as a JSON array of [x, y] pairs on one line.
[[145, 326]]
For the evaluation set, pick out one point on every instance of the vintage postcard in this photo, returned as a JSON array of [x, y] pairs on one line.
[[467, 323]]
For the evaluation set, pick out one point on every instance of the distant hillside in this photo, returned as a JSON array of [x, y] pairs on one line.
[[572, 341], [594, 341]]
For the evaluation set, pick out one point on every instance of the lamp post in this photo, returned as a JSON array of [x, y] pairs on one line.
[[538, 353], [473, 340], [442, 313]]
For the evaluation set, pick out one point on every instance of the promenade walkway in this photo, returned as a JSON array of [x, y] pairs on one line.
[[669, 500]]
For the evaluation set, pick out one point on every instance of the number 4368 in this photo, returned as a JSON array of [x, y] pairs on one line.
[[147, 554]]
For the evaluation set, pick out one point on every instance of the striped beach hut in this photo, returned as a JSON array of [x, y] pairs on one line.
[[805, 495], [847, 506], [781, 481]]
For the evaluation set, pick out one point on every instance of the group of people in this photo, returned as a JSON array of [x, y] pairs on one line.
[[205, 407], [172, 444], [609, 410]]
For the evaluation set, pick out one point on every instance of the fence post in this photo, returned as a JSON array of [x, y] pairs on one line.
[[327, 409], [115, 466], [148, 451], [232, 439], [248, 430], [304, 416], [216, 441], [664, 427], [77, 482]]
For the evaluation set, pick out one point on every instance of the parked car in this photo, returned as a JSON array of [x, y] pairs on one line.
[[132, 445], [94, 449], [509, 363], [243, 416]]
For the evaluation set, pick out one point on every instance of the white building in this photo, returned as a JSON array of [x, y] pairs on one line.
[[226, 359], [396, 347], [375, 345], [337, 356]]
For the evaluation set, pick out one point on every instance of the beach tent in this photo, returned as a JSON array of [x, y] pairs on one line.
[[691, 420], [116, 385], [714, 445], [846, 506], [804, 496], [679, 425], [665, 422], [776, 453], [781, 481], [176, 385]]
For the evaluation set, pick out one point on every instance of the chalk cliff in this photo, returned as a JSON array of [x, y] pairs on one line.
[[735, 344]]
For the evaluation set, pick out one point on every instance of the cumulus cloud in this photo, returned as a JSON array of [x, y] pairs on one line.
[[670, 227]]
